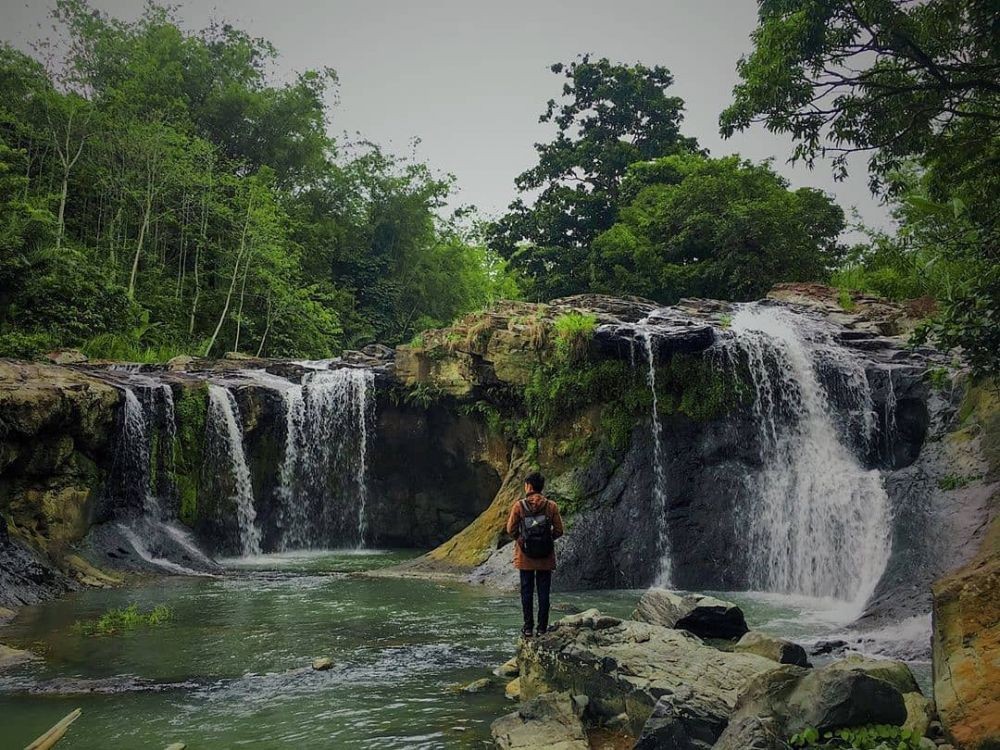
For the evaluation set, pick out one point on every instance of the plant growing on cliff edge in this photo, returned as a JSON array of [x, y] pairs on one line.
[[868, 737], [846, 300], [423, 395], [574, 332], [116, 621]]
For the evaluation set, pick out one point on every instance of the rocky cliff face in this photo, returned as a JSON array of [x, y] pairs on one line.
[[647, 423], [587, 425]]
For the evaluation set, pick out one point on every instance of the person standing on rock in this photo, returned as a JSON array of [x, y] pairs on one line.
[[535, 524]]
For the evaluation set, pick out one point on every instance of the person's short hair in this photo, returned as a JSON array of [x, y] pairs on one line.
[[536, 480]]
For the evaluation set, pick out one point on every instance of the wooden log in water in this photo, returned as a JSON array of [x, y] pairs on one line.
[[177, 746], [51, 737]]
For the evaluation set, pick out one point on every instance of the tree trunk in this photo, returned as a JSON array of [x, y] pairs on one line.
[[232, 281], [142, 236]]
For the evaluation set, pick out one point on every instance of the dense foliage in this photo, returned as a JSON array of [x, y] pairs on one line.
[[160, 194], [916, 86], [720, 228], [628, 205], [611, 116]]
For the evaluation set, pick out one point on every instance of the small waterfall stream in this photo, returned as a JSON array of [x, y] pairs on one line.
[[224, 424], [817, 522], [659, 468], [323, 474]]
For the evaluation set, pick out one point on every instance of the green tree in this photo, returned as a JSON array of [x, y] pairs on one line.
[[899, 81], [723, 228], [611, 116]]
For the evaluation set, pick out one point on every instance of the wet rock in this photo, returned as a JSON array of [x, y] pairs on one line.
[[625, 666], [776, 649], [507, 669], [11, 657], [966, 649], [896, 673], [824, 698], [705, 616], [684, 719], [478, 686], [513, 689], [822, 648], [546, 722], [322, 663], [752, 733], [919, 712]]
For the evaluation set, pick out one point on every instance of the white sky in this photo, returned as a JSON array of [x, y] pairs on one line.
[[469, 78]]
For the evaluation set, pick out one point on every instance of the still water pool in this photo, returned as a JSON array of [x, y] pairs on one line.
[[230, 669]]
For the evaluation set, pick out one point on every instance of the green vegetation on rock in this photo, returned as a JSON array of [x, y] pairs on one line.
[[868, 737], [116, 621]]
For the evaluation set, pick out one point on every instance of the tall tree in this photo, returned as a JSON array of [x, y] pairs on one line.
[[897, 80], [722, 228], [610, 116]]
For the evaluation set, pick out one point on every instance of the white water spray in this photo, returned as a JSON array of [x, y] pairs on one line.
[[324, 472], [818, 522], [659, 468], [223, 417]]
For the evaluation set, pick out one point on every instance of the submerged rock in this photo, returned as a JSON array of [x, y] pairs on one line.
[[776, 649], [547, 722], [705, 616], [507, 669], [478, 686], [11, 657]]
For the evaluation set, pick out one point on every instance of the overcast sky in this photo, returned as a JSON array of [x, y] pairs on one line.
[[469, 78]]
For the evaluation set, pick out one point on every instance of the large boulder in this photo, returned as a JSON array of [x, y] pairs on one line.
[[896, 673], [770, 647], [705, 616], [826, 698], [966, 649], [626, 667], [547, 722]]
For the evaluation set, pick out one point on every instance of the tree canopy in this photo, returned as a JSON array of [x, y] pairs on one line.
[[915, 86], [159, 193], [610, 115], [721, 228]]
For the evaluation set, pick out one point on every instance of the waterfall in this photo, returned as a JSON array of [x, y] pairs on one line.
[[224, 424], [659, 468], [142, 473], [817, 522], [323, 491]]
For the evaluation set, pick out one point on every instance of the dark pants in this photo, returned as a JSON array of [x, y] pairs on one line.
[[528, 580]]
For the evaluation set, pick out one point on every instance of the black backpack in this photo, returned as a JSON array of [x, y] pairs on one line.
[[536, 532]]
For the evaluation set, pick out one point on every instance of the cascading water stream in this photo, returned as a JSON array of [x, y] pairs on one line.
[[817, 521], [323, 476], [659, 468], [224, 423]]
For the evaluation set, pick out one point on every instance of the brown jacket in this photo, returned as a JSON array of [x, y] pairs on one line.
[[536, 502]]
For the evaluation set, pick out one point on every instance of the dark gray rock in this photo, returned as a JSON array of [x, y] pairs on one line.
[[681, 721], [705, 616], [825, 698], [776, 649], [752, 733]]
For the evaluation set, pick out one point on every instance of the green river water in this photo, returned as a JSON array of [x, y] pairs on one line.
[[228, 665]]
